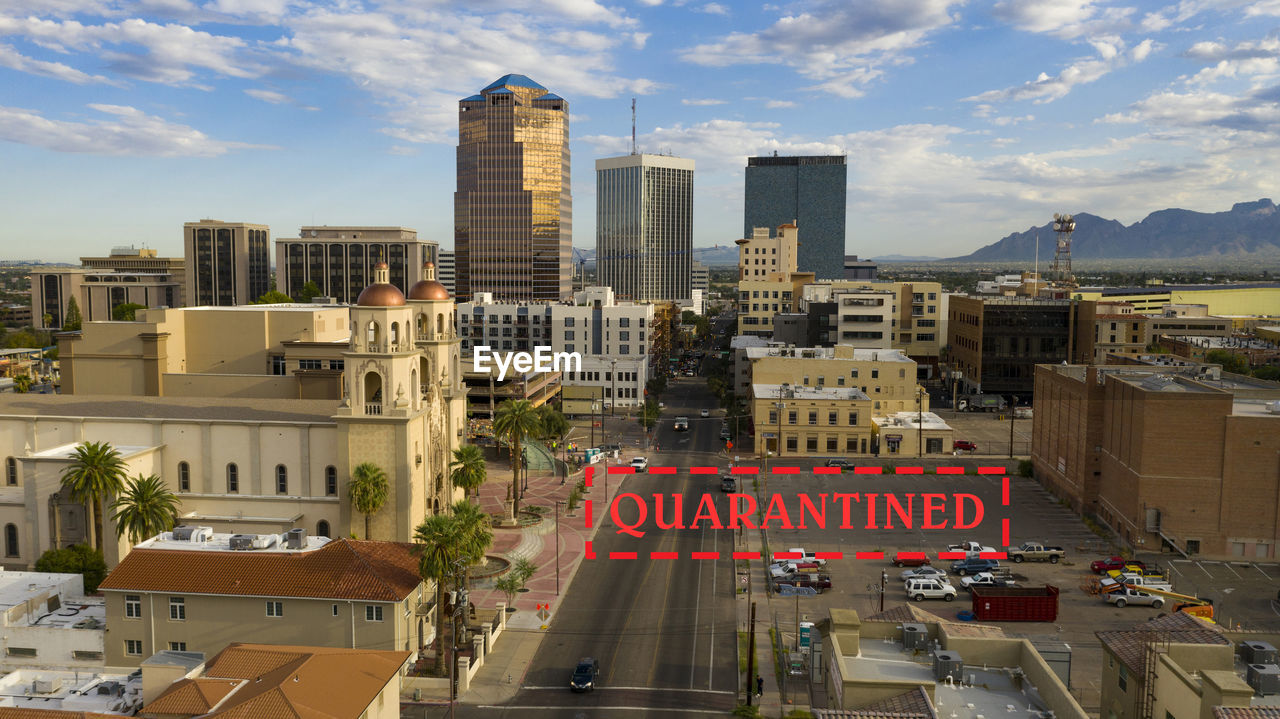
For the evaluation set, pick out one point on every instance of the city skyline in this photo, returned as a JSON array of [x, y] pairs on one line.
[[961, 123]]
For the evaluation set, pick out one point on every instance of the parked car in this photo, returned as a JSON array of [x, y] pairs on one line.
[[964, 445], [728, 483], [1112, 584], [1036, 552], [788, 590], [725, 433], [705, 413], [841, 463], [973, 566], [786, 569], [1123, 597], [971, 548], [585, 675], [925, 572], [807, 556], [1105, 565], [922, 589], [899, 560], [640, 464], [985, 579], [817, 581]]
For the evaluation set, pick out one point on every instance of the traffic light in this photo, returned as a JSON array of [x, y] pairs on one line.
[[728, 444]]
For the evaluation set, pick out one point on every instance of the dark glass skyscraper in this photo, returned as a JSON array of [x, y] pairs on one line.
[[513, 213], [809, 191]]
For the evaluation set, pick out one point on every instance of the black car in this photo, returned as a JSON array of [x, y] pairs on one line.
[[728, 483], [584, 675], [841, 463]]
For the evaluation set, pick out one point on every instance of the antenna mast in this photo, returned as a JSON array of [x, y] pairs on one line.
[[633, 126]]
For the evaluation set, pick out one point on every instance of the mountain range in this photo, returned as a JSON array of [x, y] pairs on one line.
[[1247, 229]]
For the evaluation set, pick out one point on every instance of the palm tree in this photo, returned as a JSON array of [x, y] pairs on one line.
[[468, 469], [438, 539], [146, 508], [96, 472], [476, 535], [516, 419], [368, 491]]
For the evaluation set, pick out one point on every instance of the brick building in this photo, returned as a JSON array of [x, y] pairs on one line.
[[996, 343]]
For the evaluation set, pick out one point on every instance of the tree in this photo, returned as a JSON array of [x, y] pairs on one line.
[[308, 291], [73, 321], [649, 414], [475, 534], [77, 559], [146, 508], [22, 383], [438, 540], [467, 470], [96, 472], [554, 424], [656, 386], [273, 297], [515, 421], [1230, 361], [1269, 372], [126, 312], [368, 491]]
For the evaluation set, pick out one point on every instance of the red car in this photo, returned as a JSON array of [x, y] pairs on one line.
[[915, 559], [963, 445], [1101, 566]]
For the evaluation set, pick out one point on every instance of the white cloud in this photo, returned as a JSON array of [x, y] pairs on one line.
[[714, 8], [778, 104], [702, 102], [638, 39], [717, 145], [1251, 59], [840, 45], [14, 60], [1066, 19], [250, 8], [1142, 50], [124, 131], [1047, 88], [1005, 121]]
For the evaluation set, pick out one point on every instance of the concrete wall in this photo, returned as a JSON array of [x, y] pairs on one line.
[[231, 385]]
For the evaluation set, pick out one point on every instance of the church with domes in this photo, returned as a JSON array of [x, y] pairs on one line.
[[254, 416]]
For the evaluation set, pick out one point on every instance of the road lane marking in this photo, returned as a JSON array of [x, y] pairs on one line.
[[711, 661], [697, 602]]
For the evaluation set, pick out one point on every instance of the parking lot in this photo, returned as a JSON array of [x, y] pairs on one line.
[[1243, 593]]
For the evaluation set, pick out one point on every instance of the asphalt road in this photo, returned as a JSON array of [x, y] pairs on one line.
[[664, 630]]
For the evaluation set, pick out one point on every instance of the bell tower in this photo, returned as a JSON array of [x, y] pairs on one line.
[[444, 395]]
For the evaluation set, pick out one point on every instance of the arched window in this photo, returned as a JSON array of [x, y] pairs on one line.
[[395, 334], [11, 471], [371, 335], [184, 477], [331, 481], [10, 540], [233, 478], [282, 479], [422, 326], [322, 530], [440, 325]]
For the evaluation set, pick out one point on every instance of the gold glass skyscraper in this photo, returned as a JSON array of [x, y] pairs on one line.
[[513, 213]]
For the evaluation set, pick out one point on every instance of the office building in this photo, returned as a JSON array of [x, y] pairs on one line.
[[249, 452], [617, 340], [98, 293], [887, 377], [644, 226], [1166, 452], [805, 191], [194, 590], [700, 277], [227, 263], [135, 259], [446, 270], [1245, 298], [856, 269], [340, 260], [513, 212], [996, 343]]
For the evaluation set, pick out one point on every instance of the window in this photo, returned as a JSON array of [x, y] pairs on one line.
[[372, 613], [11, 471], [791, 417], [177, 609], [568, 334], [624, 349], [851, 445], [773, 419], [20, 651], [282, 479], [11, 540], [1124, 678], [277, 366], [233, 478], [275, 609], [813, 417], [833, 417], [832, 444], [133, 647], [811, 444], [568, 322], [86, 655], [875, 374], [322, 528], [337, 364], [330, 482], [177, 646], [310, 364], [791, 444], [335, 610], [132, 606], [184, 477]]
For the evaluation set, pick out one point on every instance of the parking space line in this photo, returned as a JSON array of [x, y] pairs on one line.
[[1260, 569], [1206, 571], [1233, 571]]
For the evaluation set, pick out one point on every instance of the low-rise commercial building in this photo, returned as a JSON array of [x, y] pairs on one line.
[[191, 590], [766, 255], [805, 421], [47, 622], [996, 343], [887, 377]]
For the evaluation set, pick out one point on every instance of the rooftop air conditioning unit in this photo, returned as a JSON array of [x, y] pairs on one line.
[[110, 688], [914, 636], [1264, 678], [46, 686], [192, 533], [242, 541], [947, 664], [1257, 653], [1273, 407], [296, 538]]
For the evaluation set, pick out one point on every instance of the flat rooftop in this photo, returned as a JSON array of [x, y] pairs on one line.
[[908, 420], [195, 408], [211, 542], [776, 391], [72, 691], [282, 307], [18, 589], [839, 352]]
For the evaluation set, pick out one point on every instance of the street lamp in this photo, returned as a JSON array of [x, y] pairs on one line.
[[919, 421], [884, 580], [558, 503], [613, 391]]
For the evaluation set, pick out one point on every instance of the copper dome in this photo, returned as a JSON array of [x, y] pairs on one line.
[[381, 295], [428, 290]]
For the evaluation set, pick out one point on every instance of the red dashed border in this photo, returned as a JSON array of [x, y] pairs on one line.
[[785, 470]]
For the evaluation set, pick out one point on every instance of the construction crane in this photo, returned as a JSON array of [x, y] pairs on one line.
[[1186, 603]]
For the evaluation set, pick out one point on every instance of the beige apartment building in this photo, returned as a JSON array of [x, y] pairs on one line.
[[1109, 328], [911, 316], [763, 257], [269, 680], [760, 300], [241, 455], [194, 591], [887, 377], [340, 260], [227, 263], [811, 421]]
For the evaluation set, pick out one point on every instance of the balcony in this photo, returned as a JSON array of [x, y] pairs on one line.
[[373, 409]]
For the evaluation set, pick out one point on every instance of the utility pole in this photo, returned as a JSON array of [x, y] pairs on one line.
[[751, 650], [884, 579], [558, 503], [1013, 413], [919, 421]]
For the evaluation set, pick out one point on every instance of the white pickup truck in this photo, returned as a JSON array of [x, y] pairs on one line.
[[971, 549], [806, 556], [1136, 580]]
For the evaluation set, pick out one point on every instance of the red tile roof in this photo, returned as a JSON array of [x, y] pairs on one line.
[[193, 696], [342, 569], [1130, 645]]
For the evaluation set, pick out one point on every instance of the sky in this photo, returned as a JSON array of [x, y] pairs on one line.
[[962, 121]]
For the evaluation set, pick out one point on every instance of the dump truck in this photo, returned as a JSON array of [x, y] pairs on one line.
[[980, 403], [1015, 604]]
